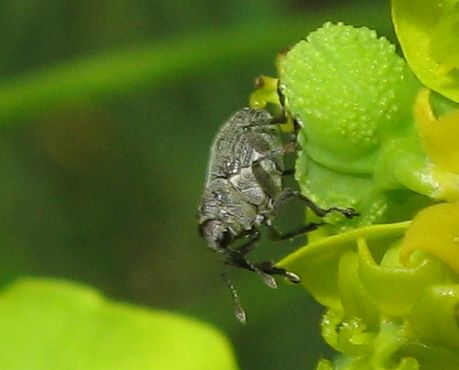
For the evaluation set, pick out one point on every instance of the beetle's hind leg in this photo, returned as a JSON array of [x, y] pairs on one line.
[[289, 172], [287, 193], [249, 246], [275, 234]]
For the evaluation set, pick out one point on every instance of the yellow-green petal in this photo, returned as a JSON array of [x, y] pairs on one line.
[[434, 230], [439, 136], [435, 316], [428, 32]]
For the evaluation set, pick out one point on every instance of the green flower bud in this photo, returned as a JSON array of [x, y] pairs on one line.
[[351, 92], [353, 97]]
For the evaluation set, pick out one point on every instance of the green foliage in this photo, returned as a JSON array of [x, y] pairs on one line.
[[354, 96], [121, 71], [106, 110], [382, 314], [55, 324], [371, 138]]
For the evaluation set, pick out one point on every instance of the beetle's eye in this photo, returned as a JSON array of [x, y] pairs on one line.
[[205, 228], [225, 238]]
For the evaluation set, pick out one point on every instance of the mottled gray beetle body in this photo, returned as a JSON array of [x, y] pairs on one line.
[[244, 177], [243, 190]]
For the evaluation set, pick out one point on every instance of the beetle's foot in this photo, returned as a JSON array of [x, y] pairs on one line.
[[268, 268], [292, 277], [346, 212]]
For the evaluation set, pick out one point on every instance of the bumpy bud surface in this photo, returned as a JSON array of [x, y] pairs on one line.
[[372, 139], [351, 91]]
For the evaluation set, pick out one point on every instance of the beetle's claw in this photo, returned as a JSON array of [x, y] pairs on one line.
[[269, 281], [350, 212], [292, 277]]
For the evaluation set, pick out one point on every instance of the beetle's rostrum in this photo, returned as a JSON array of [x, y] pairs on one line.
[[244, 189]]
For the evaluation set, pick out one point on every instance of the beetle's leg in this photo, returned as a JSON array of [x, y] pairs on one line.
[[240, 261], [269, 167], [237, 258], [290, 147], [263, 147], [281, 119], [321, 212], [275, 234], [268, 268], [264, 269], [288, 172], [248, 246]]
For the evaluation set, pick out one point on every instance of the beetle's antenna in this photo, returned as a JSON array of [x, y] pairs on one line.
[[238, 310]]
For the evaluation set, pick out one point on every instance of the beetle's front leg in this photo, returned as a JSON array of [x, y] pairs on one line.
[[249, 246], [236, 257], [269, 268]]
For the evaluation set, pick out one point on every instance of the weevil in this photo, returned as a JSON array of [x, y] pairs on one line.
[[244, 190]]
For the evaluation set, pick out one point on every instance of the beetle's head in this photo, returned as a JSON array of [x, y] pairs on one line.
[[216, 233]]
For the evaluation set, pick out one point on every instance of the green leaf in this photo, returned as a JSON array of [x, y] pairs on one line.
[[54, 324], [428, 32]]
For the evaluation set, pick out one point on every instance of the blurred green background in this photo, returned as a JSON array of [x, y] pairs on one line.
[[107, 110]]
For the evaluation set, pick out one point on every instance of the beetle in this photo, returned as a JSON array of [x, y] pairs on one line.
[[244, 190]]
